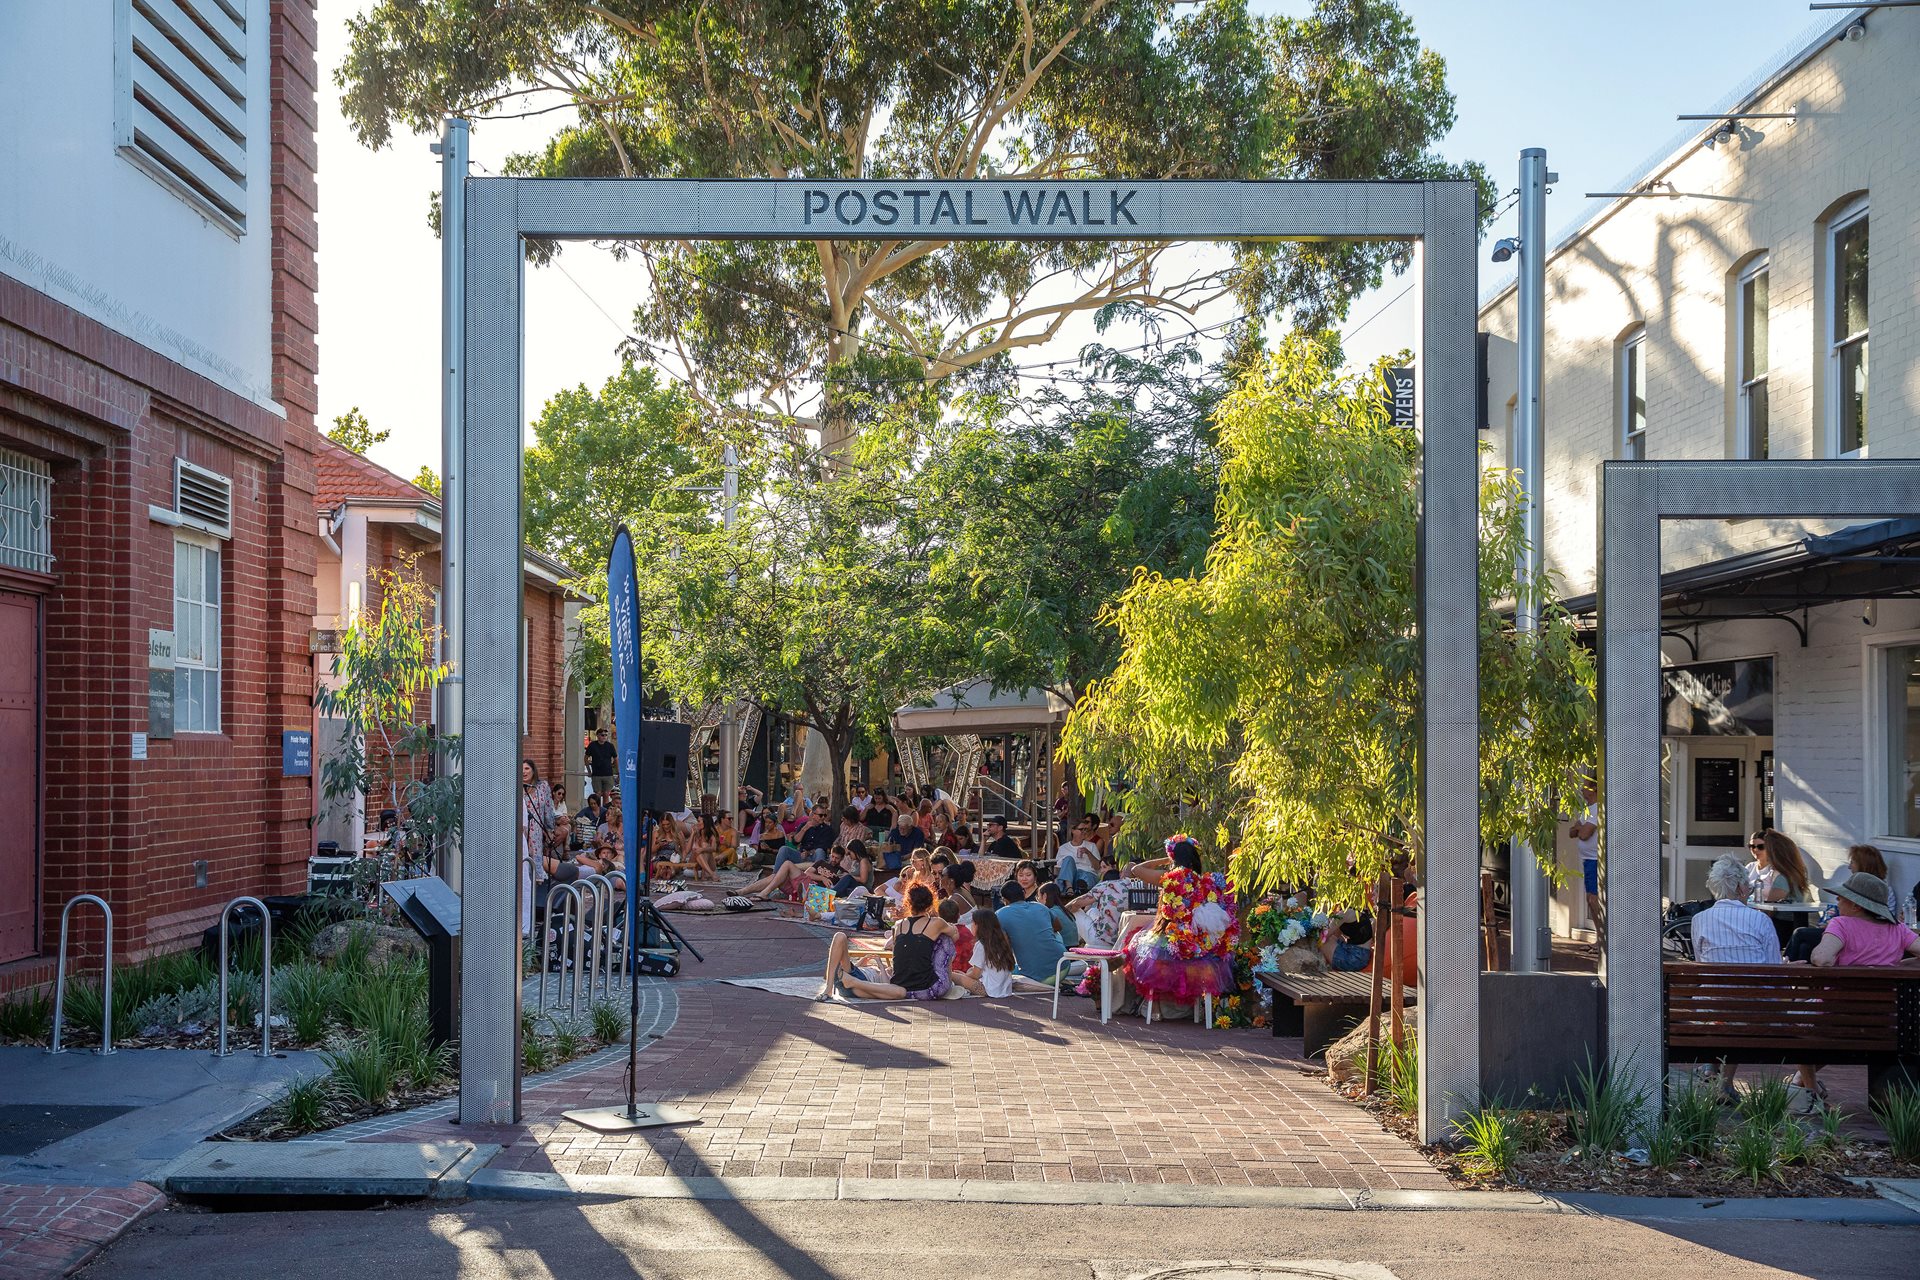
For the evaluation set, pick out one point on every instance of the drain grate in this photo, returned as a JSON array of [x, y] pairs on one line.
[[27, 1127]]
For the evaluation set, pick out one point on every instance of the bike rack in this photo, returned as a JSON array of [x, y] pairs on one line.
[[106, 977], [583, 965], [266, 974], [602, 933], [571, 911]]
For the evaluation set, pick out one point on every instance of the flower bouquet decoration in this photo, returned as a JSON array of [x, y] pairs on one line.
[[1287, 934]]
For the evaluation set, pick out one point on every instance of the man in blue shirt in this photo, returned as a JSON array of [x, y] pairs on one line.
[[906, 837], [1037, 948]]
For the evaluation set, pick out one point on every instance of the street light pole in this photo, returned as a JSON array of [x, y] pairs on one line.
[[1527, 886], [452, 150], [729, 748]]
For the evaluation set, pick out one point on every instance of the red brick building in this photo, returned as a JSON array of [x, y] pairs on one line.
[[157, 442], [370, 520]]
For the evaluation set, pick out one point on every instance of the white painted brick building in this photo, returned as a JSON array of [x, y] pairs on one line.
[[1654, 343]]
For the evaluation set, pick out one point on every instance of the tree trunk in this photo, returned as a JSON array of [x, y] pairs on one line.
[[836, 427]]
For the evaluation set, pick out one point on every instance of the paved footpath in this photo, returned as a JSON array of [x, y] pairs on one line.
[[49, 1230], [958, 1090]]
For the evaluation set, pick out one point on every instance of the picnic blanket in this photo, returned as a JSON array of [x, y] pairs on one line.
[[807, 987]]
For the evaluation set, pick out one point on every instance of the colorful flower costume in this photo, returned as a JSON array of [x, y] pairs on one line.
[[1189, 951]]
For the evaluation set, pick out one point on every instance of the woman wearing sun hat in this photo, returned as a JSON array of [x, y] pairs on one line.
[[1863, 933]]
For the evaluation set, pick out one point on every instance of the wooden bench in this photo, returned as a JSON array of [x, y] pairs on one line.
[[1321, 1007], [1794, 1013]]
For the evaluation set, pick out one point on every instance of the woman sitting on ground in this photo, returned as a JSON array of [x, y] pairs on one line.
[[963, 941], [1063, 923], [704, 847], [780, 881], [1188, 953], [922, 969], [964, 844], [856, 871], [853, 826], [956, 885], [995, 971]]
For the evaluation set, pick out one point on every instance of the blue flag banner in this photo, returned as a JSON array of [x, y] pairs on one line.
[[623, 625]]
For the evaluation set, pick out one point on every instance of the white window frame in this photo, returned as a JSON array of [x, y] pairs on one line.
[[1855, 212], [182, 661], [1874, 655], [1629, 443], [1745, 445]]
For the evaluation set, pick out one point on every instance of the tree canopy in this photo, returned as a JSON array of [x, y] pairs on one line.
[[351, 430], [927, 89], [1270, 703]]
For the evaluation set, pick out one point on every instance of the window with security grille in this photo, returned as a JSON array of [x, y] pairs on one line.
[[181, 106], [26, 516], [196, 634]]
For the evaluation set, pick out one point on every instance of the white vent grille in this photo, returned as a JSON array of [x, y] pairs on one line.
[[202, 499], [182, 97], [26, 516]]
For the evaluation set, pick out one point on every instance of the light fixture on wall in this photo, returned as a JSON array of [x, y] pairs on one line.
[[1505, 247], [1870, 615], [1857, 31]]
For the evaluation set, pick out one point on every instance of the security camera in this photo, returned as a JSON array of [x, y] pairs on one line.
[[1505, 248]]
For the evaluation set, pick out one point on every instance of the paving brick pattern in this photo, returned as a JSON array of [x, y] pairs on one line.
[[969, 1089], [48, 1231]]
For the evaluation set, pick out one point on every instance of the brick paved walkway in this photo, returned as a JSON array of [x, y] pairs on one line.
[[48, 1231], [965, 1089]]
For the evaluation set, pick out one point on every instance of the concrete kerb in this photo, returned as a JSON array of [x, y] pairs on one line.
[[490, 1184], [328, 1170]]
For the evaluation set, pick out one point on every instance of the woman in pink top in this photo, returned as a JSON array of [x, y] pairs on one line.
[[1864, 933]]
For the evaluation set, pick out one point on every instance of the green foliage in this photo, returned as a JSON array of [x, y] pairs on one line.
[[427, 478], [351, 430], [1665, 1145], [383, 1009], [1400, 1068], [1794, 1145], [1898, 1112], [904, 90], [304, 1108], [535, 1055], [1492, 1137], [1270, 705], [383, 678], [1830, 1144], [1606, 1108], [1693, 1117], [1753, 1150], [566, 1044], [609, 1022], [363, 1068], [309, 996], [27, 1017], [1765, 1100]]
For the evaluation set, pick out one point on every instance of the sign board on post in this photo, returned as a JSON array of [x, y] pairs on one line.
[[296, 753], [159, 683], [1400, 397]]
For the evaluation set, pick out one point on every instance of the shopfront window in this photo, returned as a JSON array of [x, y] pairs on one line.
[[1901, 745]]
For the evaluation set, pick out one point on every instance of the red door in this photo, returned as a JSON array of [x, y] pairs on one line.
[[19, 774]]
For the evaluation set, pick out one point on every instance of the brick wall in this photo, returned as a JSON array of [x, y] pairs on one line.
[[113, 415]]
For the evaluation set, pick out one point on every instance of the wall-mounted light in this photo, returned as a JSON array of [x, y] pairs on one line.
[[1505, 247]]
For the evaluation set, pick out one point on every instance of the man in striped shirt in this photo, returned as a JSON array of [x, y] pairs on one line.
[[1732, 931]]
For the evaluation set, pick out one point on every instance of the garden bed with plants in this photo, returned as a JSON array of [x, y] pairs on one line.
[[354, 992], [1597, 1140]]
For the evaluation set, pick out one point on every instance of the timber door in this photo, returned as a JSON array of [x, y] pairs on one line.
[[19, 775]]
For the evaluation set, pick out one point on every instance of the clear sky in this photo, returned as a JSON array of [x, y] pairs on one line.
[[1597, 84]]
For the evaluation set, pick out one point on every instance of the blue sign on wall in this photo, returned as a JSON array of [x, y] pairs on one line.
[[296, 753]]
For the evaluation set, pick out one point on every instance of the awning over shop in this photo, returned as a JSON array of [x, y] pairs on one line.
[[1866, 562], [975, 707]]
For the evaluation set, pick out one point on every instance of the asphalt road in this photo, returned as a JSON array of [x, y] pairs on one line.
[[686, 1240]]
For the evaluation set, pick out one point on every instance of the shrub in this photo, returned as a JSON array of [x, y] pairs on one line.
[[1492, 1142], [383, 1009], [1898, 1112], [1753, 1150], [1605, 1109], [1792, 1143], [84, 1007], [1400, 1066], [609, 1022], [1766, 1100], [419, 1065], [1693, 1116], [566, 1044], [27, 1017], [363, 1069], [305, 1106], [1830, 1144], [534, 1055], [308, 995]]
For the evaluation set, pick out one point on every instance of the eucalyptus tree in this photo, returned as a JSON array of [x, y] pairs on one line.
[[1272, 701], [917, 90]]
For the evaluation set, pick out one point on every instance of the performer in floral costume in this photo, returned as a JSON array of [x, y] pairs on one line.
[[1188, 953]]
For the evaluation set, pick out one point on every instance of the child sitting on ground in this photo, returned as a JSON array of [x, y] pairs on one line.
[[994, 974]]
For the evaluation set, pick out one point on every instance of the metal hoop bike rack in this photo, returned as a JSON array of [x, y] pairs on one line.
[[106, 977], [266, 974], [602, 965], [583, 956], [572, 910]]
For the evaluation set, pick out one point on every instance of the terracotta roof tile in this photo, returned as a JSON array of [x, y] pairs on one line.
[[344, 475]]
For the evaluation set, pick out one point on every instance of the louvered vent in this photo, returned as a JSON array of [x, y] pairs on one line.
[[183, 98], [202, 498]]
